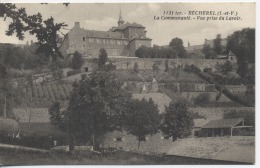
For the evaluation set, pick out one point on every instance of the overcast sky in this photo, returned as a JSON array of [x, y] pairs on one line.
[[104, 16]]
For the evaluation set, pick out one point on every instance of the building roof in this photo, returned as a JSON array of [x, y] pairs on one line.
[[223, 123], [140, 38], [127, 24], [104, 34]]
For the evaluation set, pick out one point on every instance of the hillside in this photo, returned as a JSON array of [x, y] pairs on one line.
[[42, 95]]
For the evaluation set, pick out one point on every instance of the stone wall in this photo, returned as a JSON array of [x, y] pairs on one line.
[[213, 95], [147, 63]]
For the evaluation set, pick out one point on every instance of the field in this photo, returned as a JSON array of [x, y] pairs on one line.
[[17, 157], [43, 94], [236, 148]]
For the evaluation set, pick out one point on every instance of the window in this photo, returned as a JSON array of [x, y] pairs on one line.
[[119, 139], [84, 38]]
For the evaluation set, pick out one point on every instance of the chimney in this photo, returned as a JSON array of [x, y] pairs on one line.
[[77, 24]]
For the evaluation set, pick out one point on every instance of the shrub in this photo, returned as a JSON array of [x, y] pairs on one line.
[[110, 67], [191, 68], [201, 133], [171, 86], [155, 67], [202, 99], [74, 72], [136, 68]]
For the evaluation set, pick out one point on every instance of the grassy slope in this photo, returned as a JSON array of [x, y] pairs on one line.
[[13, 157], [216, 148]]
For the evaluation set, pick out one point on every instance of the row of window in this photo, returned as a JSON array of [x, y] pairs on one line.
[[105, 41]]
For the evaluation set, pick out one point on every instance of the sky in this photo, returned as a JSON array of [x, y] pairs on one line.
[[103, 16]]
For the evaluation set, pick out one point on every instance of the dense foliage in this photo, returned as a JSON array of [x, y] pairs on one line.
[[217, 44], [46, 31], [242, 44], [202, 100], [177, 121], [77, 60], [97, 106], [102, 59], [142, 119], [177, 45]]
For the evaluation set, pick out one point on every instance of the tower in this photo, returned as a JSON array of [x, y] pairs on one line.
[[188, 43], [120, 20]]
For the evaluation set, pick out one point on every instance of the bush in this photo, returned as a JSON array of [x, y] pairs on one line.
[[209, 88], [171, 86], [74, 72], [202, 99], [136, 68], [110, 67], [191, 68], [201, 133], [33, 140], [187, 87], [244, 132]]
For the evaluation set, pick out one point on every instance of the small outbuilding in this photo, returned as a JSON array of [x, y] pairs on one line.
[[223, 127]]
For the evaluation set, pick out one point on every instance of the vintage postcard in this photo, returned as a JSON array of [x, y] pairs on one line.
[[127, 83]]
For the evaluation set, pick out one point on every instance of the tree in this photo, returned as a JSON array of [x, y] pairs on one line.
[[202, 99], [166, 63], [208, 51], [226, 68], [177, 45], [177, 121], [77, 60], [217, 44], [242, 44], [142, 119], [45, 30], [2, 71], [102, 58], [142, 52], [96, 107], [136, 68], [55, 115], [155, 67], [249, 116]]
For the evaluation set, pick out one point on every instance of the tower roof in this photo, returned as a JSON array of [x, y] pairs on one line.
[[120, 19]]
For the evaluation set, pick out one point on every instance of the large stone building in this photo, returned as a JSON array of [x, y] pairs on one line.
[[122, 40]]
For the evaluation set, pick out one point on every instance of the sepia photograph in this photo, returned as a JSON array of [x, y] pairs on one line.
[[170, 83]]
